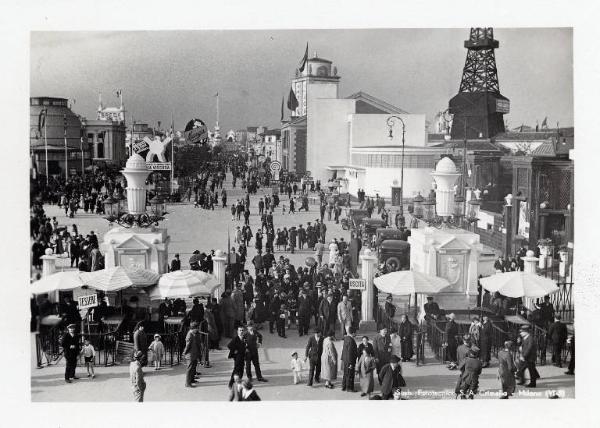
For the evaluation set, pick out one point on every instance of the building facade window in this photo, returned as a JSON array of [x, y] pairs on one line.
[[379, 160]]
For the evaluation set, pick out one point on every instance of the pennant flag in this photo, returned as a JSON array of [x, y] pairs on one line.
[[545, 123], [217, 94], [303, 60], [292, 103], [119, 92], [42, 119], [282, 108]]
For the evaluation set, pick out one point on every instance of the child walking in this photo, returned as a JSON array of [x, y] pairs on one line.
[[297, 366], [158, 351], [89, 353]]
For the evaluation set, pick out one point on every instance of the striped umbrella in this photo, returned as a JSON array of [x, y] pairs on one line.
[[519, 284], [119, 278], [184, 283], [60, 281]]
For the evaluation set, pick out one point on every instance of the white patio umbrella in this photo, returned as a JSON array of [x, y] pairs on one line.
[[119, 278], [408, 282], [60, 281], [184, 283], [519, 284]]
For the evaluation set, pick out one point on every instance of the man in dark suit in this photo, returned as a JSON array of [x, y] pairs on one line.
[[558, 334], [527, 358], [304, 312], [451, 332], [390, 378], [499, 264], [193, 352], [349, 357], [175, 263], [327, 313], [71, 347], [432, 310], [253, 342], [485, 340], [382, 348], [314, 349], [237, 352]]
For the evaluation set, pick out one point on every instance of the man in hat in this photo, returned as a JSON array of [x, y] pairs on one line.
[[175, 263], [390, 378], [193, 352], [558, 334], [344, 313], [237, 352], [314, 350], [71, 347], [304, 312], [463, 350], [485, 341], [136, 375], [451, 333], [349, 357], [432, 310], [382, 348], [527, 358], [253, 341], [327, 313]]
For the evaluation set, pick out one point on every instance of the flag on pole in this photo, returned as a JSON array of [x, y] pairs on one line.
[[304, 59], [292, 103], [42, 119], [545, 123], [282, 108], [217, 94], [119, 92]]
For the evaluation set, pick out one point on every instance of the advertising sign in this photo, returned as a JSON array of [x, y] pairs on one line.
[[140, 147], [89, 301], [275, 167], [158, 166], [196, 132], [357, 284]]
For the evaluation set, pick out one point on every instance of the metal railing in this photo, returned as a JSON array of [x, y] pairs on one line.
[[418, 335], [437, 339]]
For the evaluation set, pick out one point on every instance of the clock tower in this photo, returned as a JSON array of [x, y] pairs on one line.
[[318, 79]]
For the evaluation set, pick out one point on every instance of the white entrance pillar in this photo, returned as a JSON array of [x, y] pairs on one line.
[[48, 263], [369, 261], [219, 260]]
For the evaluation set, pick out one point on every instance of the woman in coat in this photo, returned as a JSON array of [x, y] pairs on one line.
[[329, 361], [507, 370], [366, 367], [405, 331]]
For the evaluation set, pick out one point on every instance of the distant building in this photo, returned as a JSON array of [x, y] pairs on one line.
[[60, 124], [106, 135]]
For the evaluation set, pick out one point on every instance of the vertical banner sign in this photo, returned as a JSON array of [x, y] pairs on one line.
[[396, 195]]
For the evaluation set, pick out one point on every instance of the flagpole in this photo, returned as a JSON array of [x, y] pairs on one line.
[[172, 151], [66, 152], [46, 143]]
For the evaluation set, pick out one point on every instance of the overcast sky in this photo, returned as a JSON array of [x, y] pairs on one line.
[[418, 70]]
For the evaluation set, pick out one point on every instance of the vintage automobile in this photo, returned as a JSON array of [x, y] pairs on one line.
[[394, 254], [354, 218], [386, 233], [368, 228]]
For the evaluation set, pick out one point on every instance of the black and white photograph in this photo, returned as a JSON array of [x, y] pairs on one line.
[[302, 213]]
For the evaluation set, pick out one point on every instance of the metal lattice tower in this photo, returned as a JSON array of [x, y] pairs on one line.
[[478, 108], [480, 73]]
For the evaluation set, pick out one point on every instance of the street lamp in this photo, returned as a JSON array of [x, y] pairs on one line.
[[391, 121], [111, 207], [473, 210], [459, 207], [429, 211]]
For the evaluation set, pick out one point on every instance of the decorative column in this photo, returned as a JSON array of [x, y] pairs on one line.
[[445, 176], [529, 266], [219, 260], [369, 261], [136, 173], [48, 263]]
